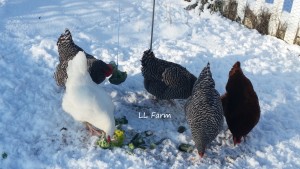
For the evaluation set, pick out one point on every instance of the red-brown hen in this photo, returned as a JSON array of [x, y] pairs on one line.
[[240, 104]]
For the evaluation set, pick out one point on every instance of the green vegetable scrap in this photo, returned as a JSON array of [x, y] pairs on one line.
[[118, 76], [120, 121], [131, 146], [4, 155], [152, 146], [186, 148], [181, 129], [116, 141], [118, 138], [137, 140], [103, 143]]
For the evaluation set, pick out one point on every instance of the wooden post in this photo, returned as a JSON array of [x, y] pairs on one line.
[[276, 11], [293, 22]]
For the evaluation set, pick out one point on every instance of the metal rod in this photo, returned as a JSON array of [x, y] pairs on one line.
[[118, 34], [152, 25]]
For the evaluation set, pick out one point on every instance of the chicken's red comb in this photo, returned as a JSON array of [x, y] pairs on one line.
[[109, 71]]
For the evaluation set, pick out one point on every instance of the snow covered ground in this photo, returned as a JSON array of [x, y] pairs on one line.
[[30, 104]]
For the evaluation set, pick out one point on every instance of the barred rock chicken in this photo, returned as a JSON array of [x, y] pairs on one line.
[[166, 80], [204, 111], [240, 104], [86, 101], [67, 50]]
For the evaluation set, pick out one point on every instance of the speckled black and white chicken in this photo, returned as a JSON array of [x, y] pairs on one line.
[[67, 50], [204, 111], [166, 80]]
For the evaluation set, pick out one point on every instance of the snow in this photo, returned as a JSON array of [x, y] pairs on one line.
[[32, 118], [2, 2]]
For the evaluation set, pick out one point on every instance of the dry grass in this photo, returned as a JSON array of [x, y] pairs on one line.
[[297, 37], [192, 6], [264, 20], [230, 10], [250, 20], [217, 6], [281, 29], [203, 2], [214, 7], [260, 22]]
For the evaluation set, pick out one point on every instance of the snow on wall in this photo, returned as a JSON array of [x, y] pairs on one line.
[[283, 11]]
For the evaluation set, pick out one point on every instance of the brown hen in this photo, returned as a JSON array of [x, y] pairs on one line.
[[240, 104]]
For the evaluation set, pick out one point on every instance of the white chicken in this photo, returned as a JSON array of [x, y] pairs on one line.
[[86, 101]]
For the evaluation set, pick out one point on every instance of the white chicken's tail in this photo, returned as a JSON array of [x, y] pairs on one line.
[[77, 67], [86, 101]]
